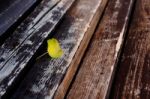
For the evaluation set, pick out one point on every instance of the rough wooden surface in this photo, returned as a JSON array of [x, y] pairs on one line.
[[11, 10], [132, 80], [24, 30], [70, 73], [37, 34], [45, 76], [94, 78]]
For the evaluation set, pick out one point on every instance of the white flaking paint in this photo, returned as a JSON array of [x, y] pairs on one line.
[[118, 4], [47, 8]]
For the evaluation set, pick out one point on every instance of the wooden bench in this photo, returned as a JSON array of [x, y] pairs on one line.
[[105, 44]]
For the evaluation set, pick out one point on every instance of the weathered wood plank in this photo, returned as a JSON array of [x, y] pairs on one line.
[[94, 78], [133, 75], [48, 73], [22, 55], [72, 69], [24, 30], [11, 11]]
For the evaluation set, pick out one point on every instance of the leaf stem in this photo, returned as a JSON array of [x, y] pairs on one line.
[[41, 55]]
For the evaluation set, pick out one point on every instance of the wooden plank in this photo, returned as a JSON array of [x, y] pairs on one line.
[[96, 71], [48, 73], [22, 55], [24, 30], [132, 78], [11, 11], [72, 69]]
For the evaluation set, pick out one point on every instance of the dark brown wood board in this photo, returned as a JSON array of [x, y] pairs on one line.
[[94, 78], [46, 75], [11, 11], [19, 58], [132, 80]]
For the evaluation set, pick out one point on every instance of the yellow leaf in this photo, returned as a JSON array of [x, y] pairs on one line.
[[54, 49]]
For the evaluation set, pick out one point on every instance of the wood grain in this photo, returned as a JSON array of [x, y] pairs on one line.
[[70, 73], [22, 55], [11, 11], [133, 75], [46, 75], [24, 30], [94, 78]]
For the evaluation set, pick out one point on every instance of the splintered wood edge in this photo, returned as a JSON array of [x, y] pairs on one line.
[[63, 87]]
